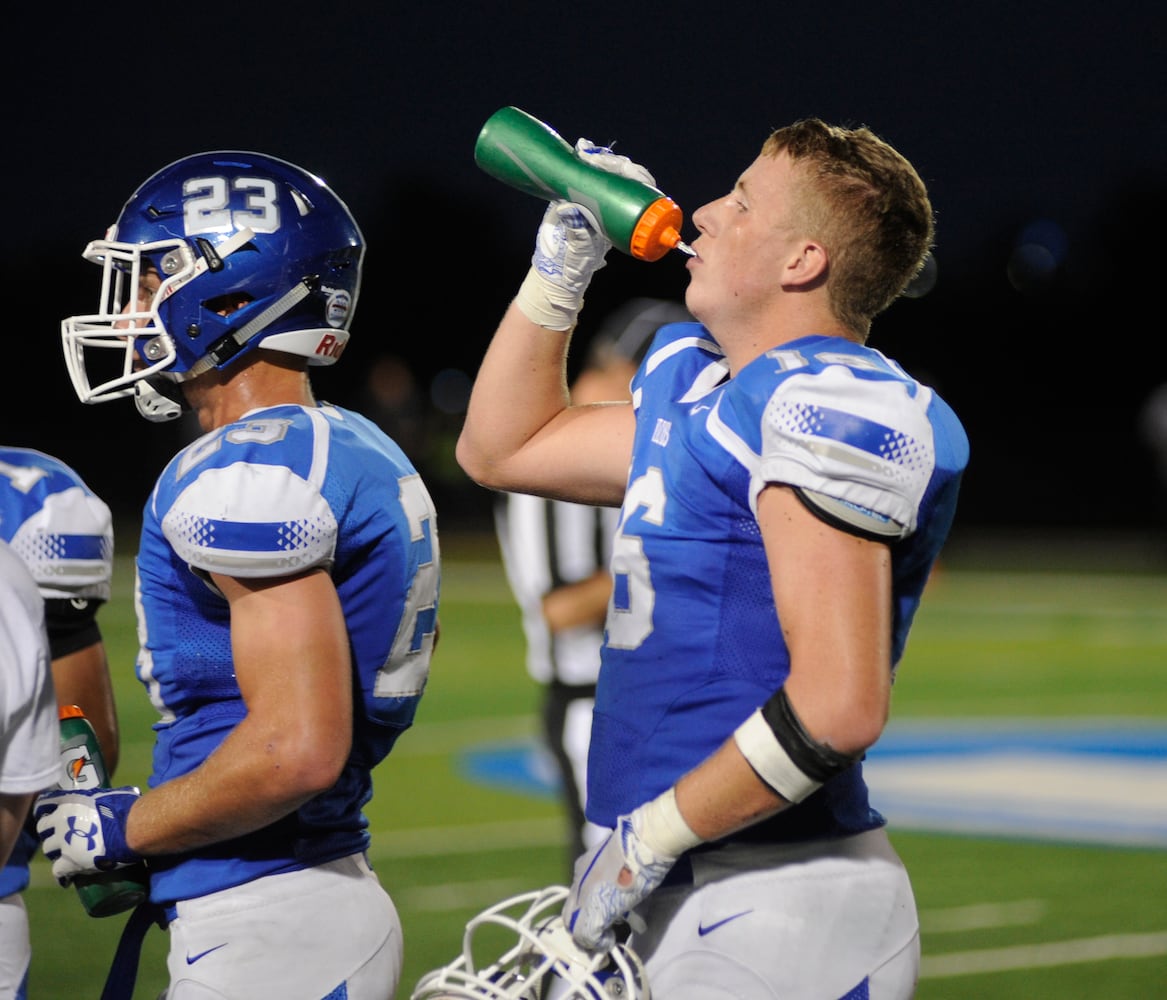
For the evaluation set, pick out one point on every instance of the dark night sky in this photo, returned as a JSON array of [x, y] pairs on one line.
[[1033, 125]]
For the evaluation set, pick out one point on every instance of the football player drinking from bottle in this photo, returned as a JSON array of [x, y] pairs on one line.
[[785, 489]]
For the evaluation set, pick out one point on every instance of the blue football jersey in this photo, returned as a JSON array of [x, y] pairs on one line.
[[283, 490], [63, 532], [693, 643]]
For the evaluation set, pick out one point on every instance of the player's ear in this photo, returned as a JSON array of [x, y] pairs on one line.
[[806, 265]]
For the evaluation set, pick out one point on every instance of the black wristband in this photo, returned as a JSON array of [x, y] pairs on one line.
[[817, 761]]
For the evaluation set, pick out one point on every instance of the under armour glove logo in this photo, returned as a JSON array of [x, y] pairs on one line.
[[89, 834]]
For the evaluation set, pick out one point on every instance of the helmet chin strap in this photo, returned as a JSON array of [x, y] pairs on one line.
[[161, 401], [227, 347], [230, 345]]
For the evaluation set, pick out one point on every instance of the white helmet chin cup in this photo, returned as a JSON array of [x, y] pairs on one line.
[[159, 407]]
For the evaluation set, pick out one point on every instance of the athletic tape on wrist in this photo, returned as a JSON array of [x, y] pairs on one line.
[[662, 829], [783, 754], [538, 304]]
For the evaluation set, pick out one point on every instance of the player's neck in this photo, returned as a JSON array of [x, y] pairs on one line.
[[220, 398], [789, 321]]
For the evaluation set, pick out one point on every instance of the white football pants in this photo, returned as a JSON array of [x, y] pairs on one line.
[[298, 936], [818, 921], [15, 948]]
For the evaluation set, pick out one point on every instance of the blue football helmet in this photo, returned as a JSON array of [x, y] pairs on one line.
[[542, 963], [246, 251]]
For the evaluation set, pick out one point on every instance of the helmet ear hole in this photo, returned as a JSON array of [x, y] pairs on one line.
[[227, 303], [346, 258]]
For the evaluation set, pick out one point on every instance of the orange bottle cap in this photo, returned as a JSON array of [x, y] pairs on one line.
[[71, 712], [657, 231]]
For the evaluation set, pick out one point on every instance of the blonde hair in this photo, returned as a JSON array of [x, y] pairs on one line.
[[867, 205]]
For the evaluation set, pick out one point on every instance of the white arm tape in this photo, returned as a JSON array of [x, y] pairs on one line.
[[546, 305], [758, 744], [663, 829]]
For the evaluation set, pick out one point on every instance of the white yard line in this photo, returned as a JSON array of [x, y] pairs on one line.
[[459, 895], [979, 916], [1033, 956]]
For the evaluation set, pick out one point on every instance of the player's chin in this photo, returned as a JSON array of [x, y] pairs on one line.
[[695, 297]]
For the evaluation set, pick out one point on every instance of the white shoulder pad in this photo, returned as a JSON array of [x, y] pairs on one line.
[[68, 545], [251, 520], [867, 444]]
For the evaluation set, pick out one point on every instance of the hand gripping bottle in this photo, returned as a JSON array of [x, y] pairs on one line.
[[523, 152], [83, 767]]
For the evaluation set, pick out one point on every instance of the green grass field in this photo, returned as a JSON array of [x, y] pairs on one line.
[[1001, 917]]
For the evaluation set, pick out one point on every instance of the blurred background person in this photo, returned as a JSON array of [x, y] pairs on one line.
[[556, 554], [392, 399], [28, 711], [63, 533], [1152, 422]]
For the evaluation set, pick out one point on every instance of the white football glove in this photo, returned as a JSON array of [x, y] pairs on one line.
[[615, 163], [645, 845], [569, 248], [85, 831], [568, 251]]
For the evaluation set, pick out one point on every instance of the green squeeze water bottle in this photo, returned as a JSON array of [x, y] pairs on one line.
[[522, 151], [83, 767]]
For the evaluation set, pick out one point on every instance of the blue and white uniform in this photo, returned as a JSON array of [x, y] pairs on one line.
[[694, 645], [28, 710], [63, 533], [280, 491], [693, 642]]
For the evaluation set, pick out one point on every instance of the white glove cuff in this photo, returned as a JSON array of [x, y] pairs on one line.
[[758, 744], [547, 305], [662, 829]]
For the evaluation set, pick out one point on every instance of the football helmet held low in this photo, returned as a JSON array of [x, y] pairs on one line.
[[542, 964], [213, 256]]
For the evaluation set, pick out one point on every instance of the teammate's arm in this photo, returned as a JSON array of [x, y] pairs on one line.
[[832, 591], [584, 602], [521, 433], [833, 594], [292, 662], [81, 678], [14, 809]]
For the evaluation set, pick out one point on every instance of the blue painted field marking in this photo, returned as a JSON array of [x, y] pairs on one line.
[[516, 765], [1083, 781]]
